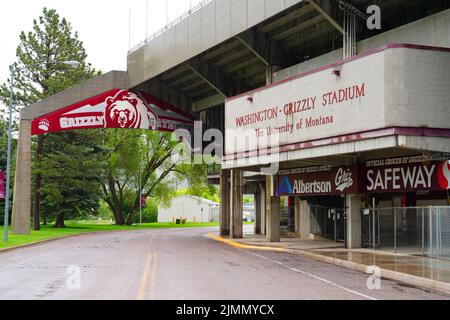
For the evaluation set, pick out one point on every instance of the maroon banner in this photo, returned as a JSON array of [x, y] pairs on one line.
[[115, 109], [143, 201], [323, 180], [2, 185], [407, 174]]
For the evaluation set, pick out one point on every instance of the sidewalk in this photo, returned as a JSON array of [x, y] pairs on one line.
[[417, 271]]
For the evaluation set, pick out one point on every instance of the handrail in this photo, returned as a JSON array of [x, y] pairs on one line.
[[170, 25]]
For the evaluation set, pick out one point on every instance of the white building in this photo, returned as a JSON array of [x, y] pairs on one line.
[[194, 209]]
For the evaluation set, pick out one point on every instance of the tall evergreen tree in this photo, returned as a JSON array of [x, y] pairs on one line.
[[41, 74], [72, 174]]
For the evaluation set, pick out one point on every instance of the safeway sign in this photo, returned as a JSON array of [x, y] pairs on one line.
[[122, 109], [407, 174]]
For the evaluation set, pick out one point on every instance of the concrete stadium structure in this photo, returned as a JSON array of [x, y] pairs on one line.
[[234, 59]]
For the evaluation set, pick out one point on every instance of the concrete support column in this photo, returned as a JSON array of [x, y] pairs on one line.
[[259, 211], [354, 205], [236, 203], [22, 181], [270, 70], [263, 207], [272, 213], [225, 202], [303, 218]]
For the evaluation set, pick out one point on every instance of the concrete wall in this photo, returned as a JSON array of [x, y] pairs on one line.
[[432, 31], [88, 89], [189, 208], [416, 88], [216, 22], [403, 87]]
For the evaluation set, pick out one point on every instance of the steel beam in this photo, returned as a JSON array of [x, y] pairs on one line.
[[207, 103], [326, 9], [167, 93], [212, 75], [269, 52]]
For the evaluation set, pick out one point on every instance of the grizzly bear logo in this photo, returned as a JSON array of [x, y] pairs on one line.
[[127, 110]]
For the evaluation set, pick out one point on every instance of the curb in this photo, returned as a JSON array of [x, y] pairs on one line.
[[39, 242], [44, 241], [412, 280]]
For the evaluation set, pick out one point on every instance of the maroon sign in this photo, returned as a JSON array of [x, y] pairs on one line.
[[2, 185], [143, 200], [323, 180], [122, 109], [407, 174]]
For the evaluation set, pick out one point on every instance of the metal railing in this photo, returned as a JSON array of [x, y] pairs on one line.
[[170, 25], [421, 231]]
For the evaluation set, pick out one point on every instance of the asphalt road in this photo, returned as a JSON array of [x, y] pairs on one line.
[[178, 264]]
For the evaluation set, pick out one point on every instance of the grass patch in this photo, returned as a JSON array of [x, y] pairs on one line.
[[78, 227]]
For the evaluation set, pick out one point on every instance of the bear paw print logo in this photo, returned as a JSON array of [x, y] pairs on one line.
[[44, 125]]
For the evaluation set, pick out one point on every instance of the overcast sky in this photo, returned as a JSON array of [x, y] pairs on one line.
[[103, 26]]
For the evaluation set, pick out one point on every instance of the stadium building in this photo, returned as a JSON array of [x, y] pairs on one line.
[[340, 107]]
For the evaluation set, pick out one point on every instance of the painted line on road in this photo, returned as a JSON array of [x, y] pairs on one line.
[[153, 276], [244, 247], [416, 281], [311, 275], [147, 271]]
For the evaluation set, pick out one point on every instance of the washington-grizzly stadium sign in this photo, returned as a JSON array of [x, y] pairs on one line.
[[122, 109], [307, 107]]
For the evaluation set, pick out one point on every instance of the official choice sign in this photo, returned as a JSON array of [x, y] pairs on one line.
[[400, 175], [319, 181], [122, 109], [407, 174]]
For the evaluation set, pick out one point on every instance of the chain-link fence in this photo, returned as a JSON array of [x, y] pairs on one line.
[[414, 230]]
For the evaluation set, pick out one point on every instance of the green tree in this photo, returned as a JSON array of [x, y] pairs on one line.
[[3, 159], [154, 155], [52, 40]]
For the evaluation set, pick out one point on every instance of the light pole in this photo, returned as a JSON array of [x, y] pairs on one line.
[[73, 64]]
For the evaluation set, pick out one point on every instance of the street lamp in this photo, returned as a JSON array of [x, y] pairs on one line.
[[73, 64]]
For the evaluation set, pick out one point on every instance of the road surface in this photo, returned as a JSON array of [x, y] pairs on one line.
[[178, 264]]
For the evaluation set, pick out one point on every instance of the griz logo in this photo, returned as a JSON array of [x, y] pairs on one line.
[[127, 110], [444, 175]]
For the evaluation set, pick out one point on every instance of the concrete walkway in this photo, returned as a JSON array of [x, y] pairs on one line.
[[414, 270]]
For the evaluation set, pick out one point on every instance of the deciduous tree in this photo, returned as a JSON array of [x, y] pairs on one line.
[[39, 53]]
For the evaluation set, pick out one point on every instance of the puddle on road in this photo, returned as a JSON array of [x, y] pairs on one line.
[[419, 266]]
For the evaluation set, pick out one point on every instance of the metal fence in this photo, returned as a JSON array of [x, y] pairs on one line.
[[328, 222], [414, 230]]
